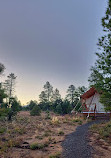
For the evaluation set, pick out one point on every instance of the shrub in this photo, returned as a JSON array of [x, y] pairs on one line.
[[46, 134], [4, 112], [19, 130], [106, 130], [47, 115], [80, 122], [104, 133], [10, 143], [94, 127], [55, 120], [76, 120], [50, 139], [66, 107], [15, 107], [61, 133], [2, 130], [35, 111], [39, 137], [59, 109], [35, 146], [103, 129], [31, 105], [56, 155]]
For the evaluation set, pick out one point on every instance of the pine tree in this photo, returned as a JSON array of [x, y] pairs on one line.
[[71, 94], [100, 76], [48, 89], [2, 94], [2, 67], [56, 95], [43, 97], [11, 79], [81, 90], [9, 86]]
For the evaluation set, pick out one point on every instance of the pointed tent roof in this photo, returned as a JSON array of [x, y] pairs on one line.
[[89, 93]]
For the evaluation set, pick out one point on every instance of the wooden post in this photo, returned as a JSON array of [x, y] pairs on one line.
[[94, 112]]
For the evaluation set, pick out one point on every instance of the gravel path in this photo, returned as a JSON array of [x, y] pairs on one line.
[[76, 144]]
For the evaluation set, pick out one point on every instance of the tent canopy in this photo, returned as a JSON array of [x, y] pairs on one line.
[[89, 93]]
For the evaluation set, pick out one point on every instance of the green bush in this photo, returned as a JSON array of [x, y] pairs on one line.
[[94, 127], [56, 155], [103, 129], [66, 107], [106, 130], [61, 133], [4, 112], [8, 113], [35, 146], [76, 120], [35, 111], [47, 115], [2, 130], [19, 130], [80, 122], [59, 109]]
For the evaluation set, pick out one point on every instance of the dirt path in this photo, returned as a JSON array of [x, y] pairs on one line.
[[76, 144]]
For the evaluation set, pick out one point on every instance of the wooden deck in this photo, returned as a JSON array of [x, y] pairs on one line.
[[104, 116]]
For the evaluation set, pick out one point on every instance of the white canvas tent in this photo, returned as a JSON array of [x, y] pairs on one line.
[[91, 103]]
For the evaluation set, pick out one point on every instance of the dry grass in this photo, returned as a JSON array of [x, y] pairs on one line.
[[103, 130], [35, 136], [100, 139]]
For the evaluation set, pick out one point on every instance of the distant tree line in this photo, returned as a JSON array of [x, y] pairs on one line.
[[50, 100]]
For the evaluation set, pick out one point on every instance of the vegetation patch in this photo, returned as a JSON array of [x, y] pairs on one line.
[[2, 130], [35, 111], [39, 137], [55, 120], [77, 120], [19, 130], [61, 133], [35, 146], [94, 128], [42, 134], [103, 130], [56, 155]]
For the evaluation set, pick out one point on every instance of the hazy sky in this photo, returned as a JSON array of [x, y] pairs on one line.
[[49, 40]]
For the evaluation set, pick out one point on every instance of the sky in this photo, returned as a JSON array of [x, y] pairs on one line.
[[49, 40]]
